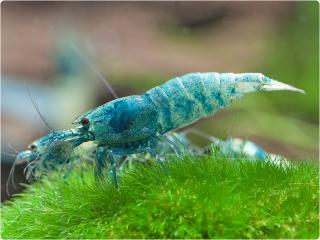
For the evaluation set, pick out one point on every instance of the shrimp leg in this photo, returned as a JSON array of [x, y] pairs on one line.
[[165, 138], [102, 154], [113, 170], [155, 155], [100, 161]]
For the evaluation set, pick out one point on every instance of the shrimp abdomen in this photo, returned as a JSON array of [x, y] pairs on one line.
[[185, 99]]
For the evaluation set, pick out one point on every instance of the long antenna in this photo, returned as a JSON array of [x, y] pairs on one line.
[[37, 108], [11, 147], [101, 77]]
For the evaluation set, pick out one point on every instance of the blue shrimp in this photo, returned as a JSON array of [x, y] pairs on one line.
[[234, 148], [45, 153], [135, 124], [56, 148]]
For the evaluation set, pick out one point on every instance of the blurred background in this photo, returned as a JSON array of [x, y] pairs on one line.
[[46, 48]]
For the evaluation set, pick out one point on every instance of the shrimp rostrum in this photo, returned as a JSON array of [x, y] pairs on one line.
[[137, 123]]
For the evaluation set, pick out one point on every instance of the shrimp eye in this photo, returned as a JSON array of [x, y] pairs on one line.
[[32, 146], [84, 121]]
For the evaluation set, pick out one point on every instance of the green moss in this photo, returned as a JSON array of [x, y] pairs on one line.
[[209, 197]]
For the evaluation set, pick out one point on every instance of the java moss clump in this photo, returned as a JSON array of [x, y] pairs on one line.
[[207, 197]]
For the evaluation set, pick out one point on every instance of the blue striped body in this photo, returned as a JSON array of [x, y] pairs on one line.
[[186, 99], [182, 100]]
